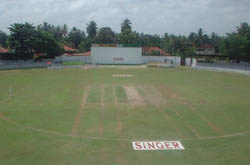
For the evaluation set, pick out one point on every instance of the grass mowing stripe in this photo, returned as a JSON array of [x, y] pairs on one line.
[[101, 112], [46, 110], [80, 113], [121, 95], [94, 95], [108, 94]]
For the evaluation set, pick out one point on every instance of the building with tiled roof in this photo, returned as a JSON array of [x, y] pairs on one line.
[[148, 51], [3, 50]]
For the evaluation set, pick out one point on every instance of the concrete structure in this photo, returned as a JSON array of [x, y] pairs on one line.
[[116, 55], [191, 62]]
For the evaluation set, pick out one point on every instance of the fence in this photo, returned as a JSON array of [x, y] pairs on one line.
[[85, 59], [224, 65], [164, 59], [20, 64], [243, 67]]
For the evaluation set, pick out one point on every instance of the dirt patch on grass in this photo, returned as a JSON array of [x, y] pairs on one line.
[[80, 113], [134, 97], [152, 95]]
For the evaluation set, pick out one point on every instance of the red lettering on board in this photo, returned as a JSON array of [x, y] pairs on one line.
[[138, 146], [176, 145], [159, 145], [151, 145], [144, 145], [168, 146]]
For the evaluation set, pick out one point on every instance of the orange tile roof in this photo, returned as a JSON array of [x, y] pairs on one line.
[[149, 50], [87, 53], [78, 54], [69, 49], [3, 50]]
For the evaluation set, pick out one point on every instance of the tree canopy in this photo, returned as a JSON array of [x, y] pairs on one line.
[[76, 36], [3, 39], [92, 29], [25, 39], [126, 25], [106, 36]]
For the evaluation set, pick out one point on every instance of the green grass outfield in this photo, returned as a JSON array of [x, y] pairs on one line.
[[76, 116]]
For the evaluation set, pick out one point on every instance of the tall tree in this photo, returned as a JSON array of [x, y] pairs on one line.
[[45, 43], [235, 46], [92, 29], [193, 37], [3, 39], [215, 41], [105, 35], [244, 29], [22, 39], [58, 32], [65, 30], [127, 36], [200, 37], [126, 25], [76, 36]]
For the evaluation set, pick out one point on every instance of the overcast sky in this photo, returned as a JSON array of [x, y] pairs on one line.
[[147, 16]]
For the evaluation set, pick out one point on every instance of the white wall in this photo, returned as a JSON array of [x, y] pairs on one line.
[[116, 55], [189, 63]]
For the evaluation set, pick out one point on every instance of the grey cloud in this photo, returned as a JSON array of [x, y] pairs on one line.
[[147, 16]]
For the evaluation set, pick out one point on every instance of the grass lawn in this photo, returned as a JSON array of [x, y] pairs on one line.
[[73, 63], [76, 116]]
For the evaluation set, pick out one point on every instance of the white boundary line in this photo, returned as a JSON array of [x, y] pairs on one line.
[[48, 132], [216, 69]]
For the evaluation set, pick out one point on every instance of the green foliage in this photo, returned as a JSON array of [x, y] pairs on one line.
[[76, 36], [127, 37], [105, 36], [244, 30], [215, 41], [3, 39], [150, 40], [26, 40], [92, 29], [45, 43], [126, 25], [59, 32], [85, 45], [22, 39], [235, 46]]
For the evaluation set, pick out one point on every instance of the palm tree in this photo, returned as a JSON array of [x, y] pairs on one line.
[[200, 37]]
